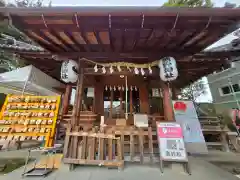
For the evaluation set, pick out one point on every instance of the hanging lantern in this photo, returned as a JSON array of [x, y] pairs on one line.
[[69, 71], [168, 69]]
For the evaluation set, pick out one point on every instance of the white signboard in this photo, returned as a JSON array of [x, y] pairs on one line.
[[171, 143], [192, 131]]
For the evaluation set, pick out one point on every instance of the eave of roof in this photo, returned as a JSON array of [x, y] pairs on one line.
[[109, 33]]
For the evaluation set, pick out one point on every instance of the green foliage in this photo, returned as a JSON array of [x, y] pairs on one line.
[[194, 90], [188, 3]]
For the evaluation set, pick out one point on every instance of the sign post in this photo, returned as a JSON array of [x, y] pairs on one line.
[[171, 144]]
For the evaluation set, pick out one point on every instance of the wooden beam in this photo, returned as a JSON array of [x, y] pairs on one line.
[[66, 98]]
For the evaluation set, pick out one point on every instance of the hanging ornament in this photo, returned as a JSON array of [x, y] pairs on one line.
[[136, 71], [119, 88], [111, 69], [150, 70], [168, 69], [122, 88], [103, 70], [114, 88], [142, 71], [119, 68], [106, 88], [95, 68], [129, 69], [135, 88], [131, 88], [68, 71], [110, 88]]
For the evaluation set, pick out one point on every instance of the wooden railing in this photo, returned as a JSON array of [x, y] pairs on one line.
[[92, 148]]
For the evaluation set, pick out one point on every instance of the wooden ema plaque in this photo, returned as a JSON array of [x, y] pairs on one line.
[[24, 118], [171, 144]]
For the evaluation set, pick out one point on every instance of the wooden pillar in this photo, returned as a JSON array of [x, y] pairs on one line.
[[78, 98], [175, 93], [66, 98], [144, 102], [121, 104], [111, 104], [80, 90], [131, 102], [167, 103], [98, 98]]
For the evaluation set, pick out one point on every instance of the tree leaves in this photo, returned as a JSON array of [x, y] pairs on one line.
[[188, 3]]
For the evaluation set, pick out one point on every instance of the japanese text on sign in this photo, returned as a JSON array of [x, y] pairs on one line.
[[171, 144]]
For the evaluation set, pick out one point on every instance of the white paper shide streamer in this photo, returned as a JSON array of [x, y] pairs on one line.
[[168, 69], [67, 73]]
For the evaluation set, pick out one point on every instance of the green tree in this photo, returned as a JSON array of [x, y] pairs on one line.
[[194, 90], [8, 60], [188, 3]]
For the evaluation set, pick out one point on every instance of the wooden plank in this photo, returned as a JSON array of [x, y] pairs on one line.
[[94, 162], [84, 147], [101, 149], [92, 148], [122, 143], [132, 147], [119, 150], [110, 149], [66, 143], [75, 144], [90, 134], [140, 136], [150, 143]]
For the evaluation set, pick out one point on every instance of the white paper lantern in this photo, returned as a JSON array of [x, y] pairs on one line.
[[68, 75], [168, 69]]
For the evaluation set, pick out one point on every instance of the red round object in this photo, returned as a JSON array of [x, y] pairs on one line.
[[180, 106]]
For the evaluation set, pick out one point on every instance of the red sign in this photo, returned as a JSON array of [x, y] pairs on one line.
[[180, 106], [170, 132]]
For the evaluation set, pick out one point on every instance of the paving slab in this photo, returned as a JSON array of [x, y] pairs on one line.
[[201, 170]]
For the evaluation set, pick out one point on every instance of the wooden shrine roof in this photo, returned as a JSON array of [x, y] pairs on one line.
[[132, 34]]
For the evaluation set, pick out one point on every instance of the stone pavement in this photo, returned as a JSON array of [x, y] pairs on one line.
[[201, 170]]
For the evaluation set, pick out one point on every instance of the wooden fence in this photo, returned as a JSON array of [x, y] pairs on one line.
[[92, 148]]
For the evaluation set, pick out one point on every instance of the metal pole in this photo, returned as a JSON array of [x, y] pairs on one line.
[[126, 109], [25, 84]]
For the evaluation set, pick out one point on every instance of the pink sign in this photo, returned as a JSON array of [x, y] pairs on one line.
[[170, 132]]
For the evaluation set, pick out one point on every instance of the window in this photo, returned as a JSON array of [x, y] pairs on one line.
[[236, 87], [228, 90]]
